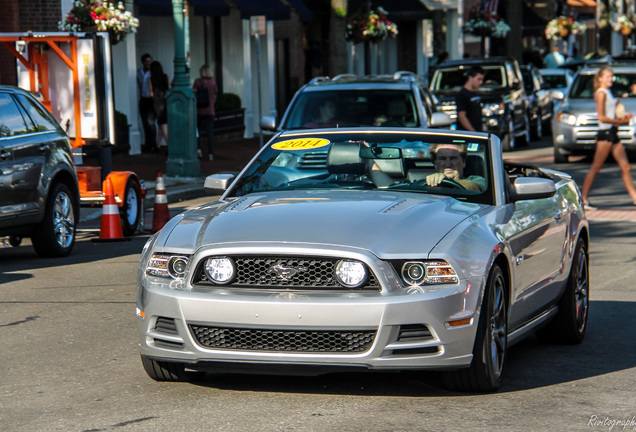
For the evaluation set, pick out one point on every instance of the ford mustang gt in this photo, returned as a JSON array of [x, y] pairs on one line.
[[367, 249]]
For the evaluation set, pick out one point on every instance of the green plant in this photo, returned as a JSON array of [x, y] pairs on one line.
[[121, 119], [227, 101]]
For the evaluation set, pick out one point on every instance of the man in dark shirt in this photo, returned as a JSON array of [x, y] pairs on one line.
[[469, 102]]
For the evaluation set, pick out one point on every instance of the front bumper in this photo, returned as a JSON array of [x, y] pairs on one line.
[[402, 328], [580, 139]]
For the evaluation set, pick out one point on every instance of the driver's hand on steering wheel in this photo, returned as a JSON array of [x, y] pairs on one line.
[[436, 179]]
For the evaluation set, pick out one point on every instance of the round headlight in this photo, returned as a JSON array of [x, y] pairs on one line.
[[414, 273], [220, 270], [177, 266], [351, 273]]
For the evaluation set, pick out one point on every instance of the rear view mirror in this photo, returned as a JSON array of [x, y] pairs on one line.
[[217, 183], [268, 123], [557, 94], [440, 119], [380, 153]]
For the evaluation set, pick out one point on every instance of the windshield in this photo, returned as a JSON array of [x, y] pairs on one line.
[[360, 107], [556, 81], [452, 80], [368, 161], [624, 85]]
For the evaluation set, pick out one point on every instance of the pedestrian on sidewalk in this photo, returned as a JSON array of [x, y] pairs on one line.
[[159, 85], [607, 139], [203, 85], [146, 107], [468, 101]]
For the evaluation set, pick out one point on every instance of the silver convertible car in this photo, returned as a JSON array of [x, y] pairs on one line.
[[333, 251]]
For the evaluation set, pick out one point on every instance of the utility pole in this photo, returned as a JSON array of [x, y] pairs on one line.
[[182, 141]]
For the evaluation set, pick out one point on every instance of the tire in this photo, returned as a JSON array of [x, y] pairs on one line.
[[168, 371], [55, 235], [570, 323], [131, 211], [509, 142], [485, 373], [559, 157]]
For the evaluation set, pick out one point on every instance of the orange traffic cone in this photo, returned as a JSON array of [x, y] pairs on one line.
[[110, 229], [161, 214]]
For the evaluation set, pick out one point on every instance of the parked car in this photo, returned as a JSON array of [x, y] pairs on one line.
[[351, 262], [39, 194], [504, 105], [575, 124], [539, 100], [401, 100]]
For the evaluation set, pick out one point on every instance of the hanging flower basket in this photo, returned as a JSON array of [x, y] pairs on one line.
[[369, 27], [92, 15], [562, 27], [485, 24], [624, 24]]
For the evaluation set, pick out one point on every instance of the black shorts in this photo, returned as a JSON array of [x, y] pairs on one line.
[[610, 135]]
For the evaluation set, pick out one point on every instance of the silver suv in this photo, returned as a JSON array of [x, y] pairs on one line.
[[399, 100], [575, 124], [39, 194]]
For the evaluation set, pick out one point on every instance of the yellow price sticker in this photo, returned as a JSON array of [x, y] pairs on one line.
[[301, 144]]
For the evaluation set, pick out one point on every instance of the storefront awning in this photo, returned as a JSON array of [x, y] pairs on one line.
[[164, 7], [408, 10], [272, 9]]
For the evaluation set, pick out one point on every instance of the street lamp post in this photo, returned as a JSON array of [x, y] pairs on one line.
[[182, 142]]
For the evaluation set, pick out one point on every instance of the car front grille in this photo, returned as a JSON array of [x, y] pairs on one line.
[[587, 130], [305, 274], [306, 341]]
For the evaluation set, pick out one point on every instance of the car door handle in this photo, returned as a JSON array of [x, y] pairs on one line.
[[44, 147]]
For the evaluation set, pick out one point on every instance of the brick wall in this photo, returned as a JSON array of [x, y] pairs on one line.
[[21, 16]]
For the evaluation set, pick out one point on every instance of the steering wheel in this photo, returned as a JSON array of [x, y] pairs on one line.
[[452, 183]]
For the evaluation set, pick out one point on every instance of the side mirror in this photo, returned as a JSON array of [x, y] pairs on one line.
[[529, 188], [557, 94], [268, 123], [440, 120], [217, 183]]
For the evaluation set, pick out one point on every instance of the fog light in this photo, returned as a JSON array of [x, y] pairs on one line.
[[351, 273], [220, 270]]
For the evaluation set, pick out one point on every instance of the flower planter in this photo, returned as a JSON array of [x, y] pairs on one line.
[[626, 31], [564, 32]]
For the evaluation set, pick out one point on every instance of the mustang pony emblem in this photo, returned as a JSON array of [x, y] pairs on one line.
[[285, 273]]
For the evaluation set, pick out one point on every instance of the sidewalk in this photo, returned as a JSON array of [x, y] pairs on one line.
[[229, 155]]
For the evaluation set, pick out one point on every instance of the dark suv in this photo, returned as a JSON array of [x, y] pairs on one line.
[[540, 104], [399, 100], [39, 194], [504, 105]]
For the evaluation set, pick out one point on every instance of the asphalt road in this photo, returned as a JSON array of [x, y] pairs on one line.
[[69, 359]]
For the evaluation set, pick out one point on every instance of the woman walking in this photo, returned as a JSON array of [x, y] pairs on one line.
[[159, 84], [205, 107], [607, 139]]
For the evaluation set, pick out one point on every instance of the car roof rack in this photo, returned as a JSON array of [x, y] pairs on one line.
[[344, 76], [318, 79]]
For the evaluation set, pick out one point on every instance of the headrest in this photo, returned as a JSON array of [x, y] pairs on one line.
[[344, 158]]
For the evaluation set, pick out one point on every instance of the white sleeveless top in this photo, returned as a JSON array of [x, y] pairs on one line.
[[610, 108]]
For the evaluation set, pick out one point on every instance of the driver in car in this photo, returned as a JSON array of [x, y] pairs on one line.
[[450, 161]]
